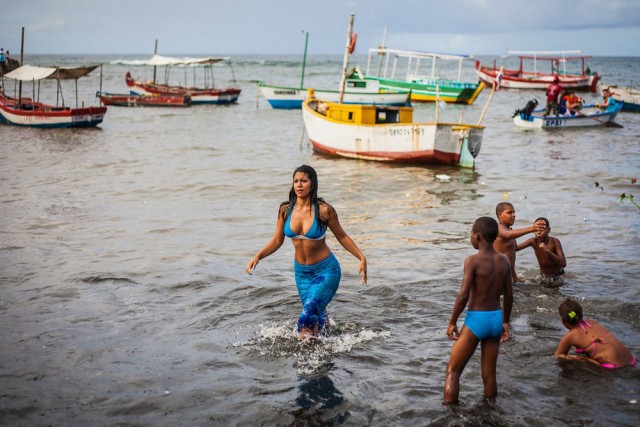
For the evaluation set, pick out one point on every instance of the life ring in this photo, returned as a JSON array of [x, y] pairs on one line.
[[352, 43]]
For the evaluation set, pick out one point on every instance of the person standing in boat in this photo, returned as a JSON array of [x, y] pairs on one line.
[[554, 94], [305, 218]]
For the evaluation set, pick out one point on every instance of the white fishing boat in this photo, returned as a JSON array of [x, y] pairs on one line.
[[16, 109], [589, 115], [203, 91], [388, 134], [357, 91], [538, 69]]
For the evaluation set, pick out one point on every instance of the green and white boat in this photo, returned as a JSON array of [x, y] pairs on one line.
[[419, 72]]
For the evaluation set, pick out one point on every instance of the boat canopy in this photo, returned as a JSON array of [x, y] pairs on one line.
[[158, 60], [411, 59], [30, 73], [549, 55], [415, 54]]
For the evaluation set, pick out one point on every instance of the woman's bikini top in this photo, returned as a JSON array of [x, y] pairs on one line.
[[316, 232]]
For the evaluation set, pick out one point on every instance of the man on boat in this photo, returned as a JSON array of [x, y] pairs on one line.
[[609, 104], [554, 92], [574, 102]]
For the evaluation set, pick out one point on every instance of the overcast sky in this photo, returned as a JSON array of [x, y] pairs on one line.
[[216, 27]]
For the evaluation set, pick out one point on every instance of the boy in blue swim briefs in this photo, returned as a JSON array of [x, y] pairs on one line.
[[486, 276]]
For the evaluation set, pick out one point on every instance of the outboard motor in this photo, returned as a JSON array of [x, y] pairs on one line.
[[527, 110]]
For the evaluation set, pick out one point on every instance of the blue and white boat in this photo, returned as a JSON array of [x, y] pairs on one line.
[[357, 92], [589, 115]]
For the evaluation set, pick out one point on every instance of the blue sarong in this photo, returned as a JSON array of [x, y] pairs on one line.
[[317, 284]]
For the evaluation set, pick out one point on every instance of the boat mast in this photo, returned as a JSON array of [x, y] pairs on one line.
[[345, 61], [155, 52], [21, 63], [304, 58]]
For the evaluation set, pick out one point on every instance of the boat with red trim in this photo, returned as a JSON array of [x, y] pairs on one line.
[[206, 93], [572, 71], [133, 100], [19, 110]]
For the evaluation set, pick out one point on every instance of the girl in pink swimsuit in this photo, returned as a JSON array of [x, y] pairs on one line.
[[590, 338]]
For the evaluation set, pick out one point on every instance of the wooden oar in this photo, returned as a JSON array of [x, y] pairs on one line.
[[608, 124]]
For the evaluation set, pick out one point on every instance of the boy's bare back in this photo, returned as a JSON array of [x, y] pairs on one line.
[[490, 273]]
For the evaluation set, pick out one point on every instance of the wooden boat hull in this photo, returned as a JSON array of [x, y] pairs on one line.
[[198, 95], [515, 79], [291, 98], [449, 91], [588, 117], [131, 100], [333, 133], [38, 115]]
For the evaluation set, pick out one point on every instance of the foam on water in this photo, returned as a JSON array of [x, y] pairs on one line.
[[310, 353]]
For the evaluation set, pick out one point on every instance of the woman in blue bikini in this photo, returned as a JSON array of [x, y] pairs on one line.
[[305, 219]]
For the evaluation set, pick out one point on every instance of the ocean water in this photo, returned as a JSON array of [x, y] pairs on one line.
[[124, 300]]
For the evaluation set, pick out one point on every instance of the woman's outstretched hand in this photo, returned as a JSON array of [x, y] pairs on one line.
[[362, 270], [251, 265]]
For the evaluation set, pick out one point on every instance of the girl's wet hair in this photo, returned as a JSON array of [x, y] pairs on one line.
[[570, 312]]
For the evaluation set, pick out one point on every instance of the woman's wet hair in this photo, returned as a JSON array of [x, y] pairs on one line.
[[487, 227], [570, 312], [313, 177]]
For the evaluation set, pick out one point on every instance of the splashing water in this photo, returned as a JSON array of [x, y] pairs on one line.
[[311, 353]]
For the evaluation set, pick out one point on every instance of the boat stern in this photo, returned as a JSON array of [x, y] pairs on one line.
[[469, 142]]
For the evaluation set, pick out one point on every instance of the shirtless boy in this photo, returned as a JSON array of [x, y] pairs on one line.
[[487, 275], [506, 241], [548, 251]]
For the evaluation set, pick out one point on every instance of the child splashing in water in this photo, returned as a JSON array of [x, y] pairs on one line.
[[589, 337]]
